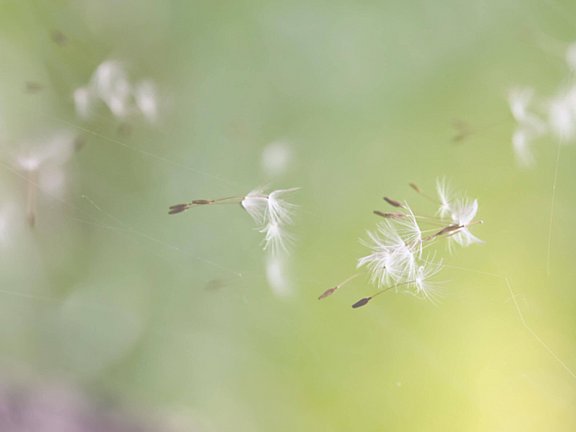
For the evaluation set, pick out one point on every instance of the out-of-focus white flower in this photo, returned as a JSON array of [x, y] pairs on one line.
[[277, 275], [519, 99], [146, 99], [562, 115], [43, 162], [522, 146], [55, 150], [83, 100], [276, 158], [5, 216], [529, 126], [571, 56], [110, 84], [560, 111]]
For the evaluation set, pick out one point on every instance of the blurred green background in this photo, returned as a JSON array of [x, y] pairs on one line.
[[175, 312]]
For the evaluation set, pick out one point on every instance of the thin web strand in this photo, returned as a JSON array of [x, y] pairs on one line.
[[523, 321], [552, 204], [143, 153], [534, 334], [123, 226]]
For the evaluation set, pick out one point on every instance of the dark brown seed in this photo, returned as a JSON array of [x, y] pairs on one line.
[[327, 293], [31, 218], [124, 129], [389, 215], [33, 87], [79, 143], [393, 202], [202, 202], [177, 208], [215, 284], [448, 229], [462, 130], [58, 37], [413, 186], [361, 302]]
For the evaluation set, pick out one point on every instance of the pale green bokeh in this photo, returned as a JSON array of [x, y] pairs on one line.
[[111, 292]]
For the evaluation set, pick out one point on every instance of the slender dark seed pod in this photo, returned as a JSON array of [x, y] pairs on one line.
[[178, 208], [393, 202], [58, 38], [389, 215], [448, 229], [33, 87], [361, 302], [418, 190], [327, 293], [331, 291]]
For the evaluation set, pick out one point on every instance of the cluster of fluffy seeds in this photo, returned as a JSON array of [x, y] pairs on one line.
[[111, 85], [537, 117], [398, 256]]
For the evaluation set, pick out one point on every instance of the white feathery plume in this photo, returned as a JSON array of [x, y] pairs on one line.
[[423, 287], [256, 204], [445, 195], [271, 213], [463, 214]]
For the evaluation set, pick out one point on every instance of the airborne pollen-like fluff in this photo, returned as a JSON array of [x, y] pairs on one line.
[[272, 214]]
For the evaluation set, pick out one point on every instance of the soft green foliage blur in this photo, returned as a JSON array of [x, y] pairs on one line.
[[175, 313]]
